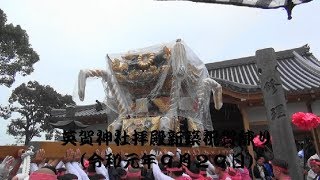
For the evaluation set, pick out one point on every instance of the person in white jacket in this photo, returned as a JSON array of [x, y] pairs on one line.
[[311, 174], [174, 172]]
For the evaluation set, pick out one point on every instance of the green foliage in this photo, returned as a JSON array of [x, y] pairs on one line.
[[16, 54], [33, 103]]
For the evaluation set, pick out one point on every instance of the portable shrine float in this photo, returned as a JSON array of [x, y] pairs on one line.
[[148, 89], [151, 88]]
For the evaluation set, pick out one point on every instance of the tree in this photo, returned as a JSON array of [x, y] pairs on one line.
[[33, 103], [16, 54]]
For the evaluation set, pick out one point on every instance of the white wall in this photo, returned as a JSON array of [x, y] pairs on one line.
[[296, 107], [316, 107], [257, 113]]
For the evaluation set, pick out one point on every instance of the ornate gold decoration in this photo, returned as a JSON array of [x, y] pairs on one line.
[[162, 103], [119, 66], [167, 84], [195, 72], [154, 73], [167, 53], [165, 68], [115, 64], [177, 124], [145, 75], [153, 68], [133, 106], [142, 105], [145, 60], [112, 126], [120, 77], [141, 124], [192, 126], [124, 66], [130, 57], [134, 74]]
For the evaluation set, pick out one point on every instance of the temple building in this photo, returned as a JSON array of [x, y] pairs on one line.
[[243, 107]]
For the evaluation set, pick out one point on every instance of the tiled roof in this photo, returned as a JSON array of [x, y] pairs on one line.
[[299, 72], [69, 125], [81, 111]]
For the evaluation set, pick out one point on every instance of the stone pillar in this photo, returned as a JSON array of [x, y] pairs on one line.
[[280, 126]]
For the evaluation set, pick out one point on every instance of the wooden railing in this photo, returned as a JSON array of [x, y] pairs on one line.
[[10, 151]]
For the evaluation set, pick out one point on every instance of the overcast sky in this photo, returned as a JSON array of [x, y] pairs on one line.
[[73, 35]]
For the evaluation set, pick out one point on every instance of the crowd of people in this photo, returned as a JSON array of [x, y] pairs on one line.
[[72, 166]]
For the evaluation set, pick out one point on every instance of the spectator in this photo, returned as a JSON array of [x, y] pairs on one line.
[[97, 177], [244, 172], [268, 167], [46, 172], [315, 167], [193, 171], [133, 173], [220, 169], [68, 177], [61, 171], [311, 175], [259, 171], [280, 169], [70, 168]]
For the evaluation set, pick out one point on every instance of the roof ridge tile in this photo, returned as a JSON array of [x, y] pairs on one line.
[[284, 54]]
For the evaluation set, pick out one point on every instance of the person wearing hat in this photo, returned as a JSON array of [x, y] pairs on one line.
[[194, 172], [68, 177], [220, 168], [259, 170], [243, 172], [280, 169], [61, 171], [315, 167], [210, 170], [311, 175], [47, 172], [174, 172]]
